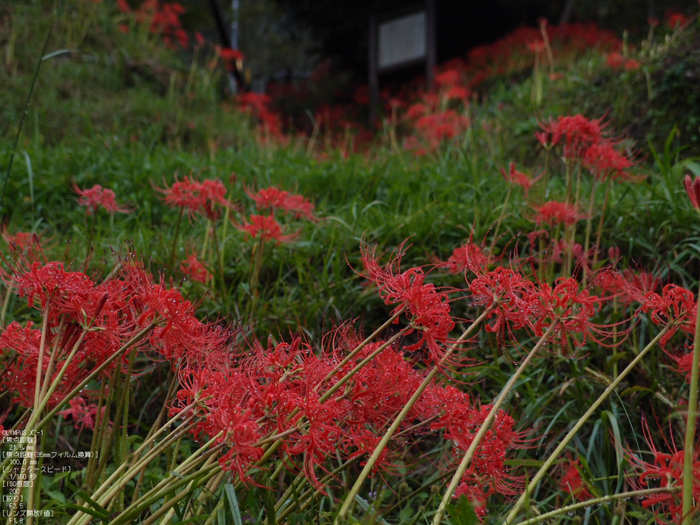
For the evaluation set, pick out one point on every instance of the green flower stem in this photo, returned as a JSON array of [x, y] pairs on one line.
[[215, 513], [162, 489], [167, 507], [220, 258], [461, 469], [40, 359], [129, 514], [121, 478], [597, 501], [58, 337], [599, 234], [131, 342], [500, 219], [589, 223], [545, 182], [310, 494], [525, 496], [350, 498], [177, 234], [689, 448]]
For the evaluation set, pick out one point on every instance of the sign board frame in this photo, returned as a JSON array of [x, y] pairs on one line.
[[375, 23]]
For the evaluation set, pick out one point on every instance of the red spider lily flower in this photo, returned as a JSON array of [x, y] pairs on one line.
[[276, 199], [504, 290], [675, 20], [536, 46], [573, 308], [465, 258], [241, 435], [428, 308], [49, 281], [231, 55], [99, 197], [572, 483], [554, 213], [178, 332], [457, 93], [301, 207], [268, 198], [194, 269], [416, 111], [259, 105], [578, 132], [518, 177], [83, 414], [196, 197], [693, 189], [604, 161], [632, 64], [685, 365], [449, 77], [266, 228], [615, 60], [461, 420], [22, 240], [675, 304], [666, 470], [627, 287]]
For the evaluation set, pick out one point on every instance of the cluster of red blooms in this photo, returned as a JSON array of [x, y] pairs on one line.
[[554, 213], [576, 132], [259, 105], [572, 483], [463, 258], [513, 52], [583, 140], [88, 321], [196, 197], [604, 162], [194, 268], [99, 197], [431, 118], [163, 19], [281, 389], [437, 117], [427, 306], [675, 20], [266, 227], [616, 60]]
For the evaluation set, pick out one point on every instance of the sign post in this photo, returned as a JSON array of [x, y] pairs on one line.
[[399, 40]]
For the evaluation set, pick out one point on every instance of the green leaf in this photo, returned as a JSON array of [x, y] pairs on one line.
[[102, 512], [88, 510], [57, 496], [462, 513], [233, 504]]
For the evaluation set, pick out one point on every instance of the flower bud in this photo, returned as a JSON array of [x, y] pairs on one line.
[[693, 189]]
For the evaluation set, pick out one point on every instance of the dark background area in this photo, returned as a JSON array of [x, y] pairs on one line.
[[341, 27]]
